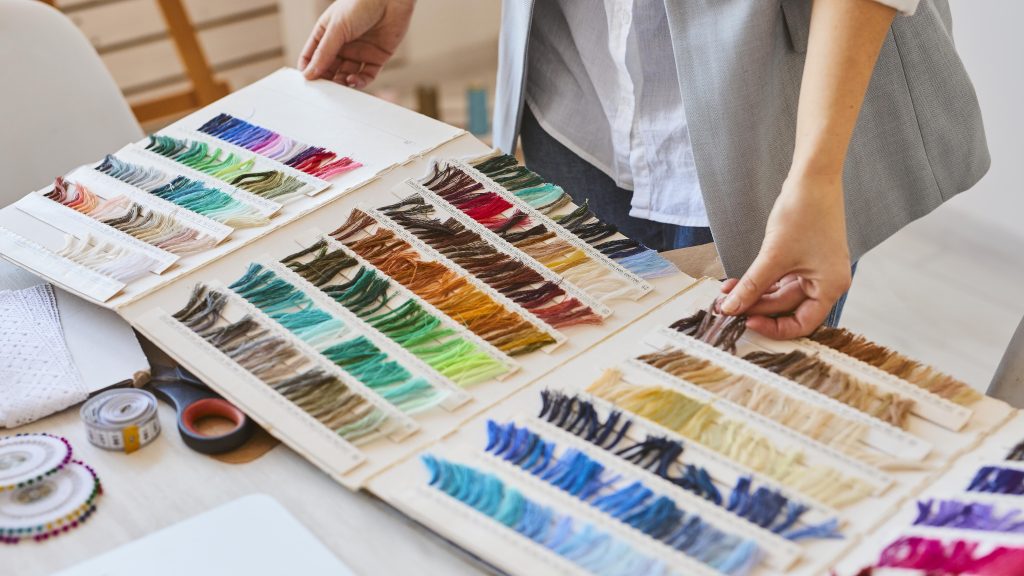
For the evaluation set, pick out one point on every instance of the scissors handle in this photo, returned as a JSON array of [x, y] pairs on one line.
[[193, 404]]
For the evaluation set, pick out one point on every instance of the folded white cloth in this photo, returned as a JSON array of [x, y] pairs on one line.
[[37, 374]]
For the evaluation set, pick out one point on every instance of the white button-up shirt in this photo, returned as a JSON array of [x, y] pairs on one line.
[[602, 81]]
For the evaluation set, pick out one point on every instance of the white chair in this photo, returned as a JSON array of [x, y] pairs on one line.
[[59, 106]]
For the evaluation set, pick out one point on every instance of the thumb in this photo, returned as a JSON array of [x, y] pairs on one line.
[[758, 278]]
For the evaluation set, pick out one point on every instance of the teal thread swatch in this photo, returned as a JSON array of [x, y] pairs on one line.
[[190, 194], [226, 166], [411, 326], [581, 543], [295, 311], [278, 364]]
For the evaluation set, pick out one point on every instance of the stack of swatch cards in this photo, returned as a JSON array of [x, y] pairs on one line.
[[426, 318]]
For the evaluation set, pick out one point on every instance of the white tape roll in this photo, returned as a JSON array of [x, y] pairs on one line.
[[124, 419]]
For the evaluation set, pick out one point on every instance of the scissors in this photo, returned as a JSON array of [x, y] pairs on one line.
[[193, 401]]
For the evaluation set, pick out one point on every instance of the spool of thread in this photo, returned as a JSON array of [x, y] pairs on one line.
[[124, 419]]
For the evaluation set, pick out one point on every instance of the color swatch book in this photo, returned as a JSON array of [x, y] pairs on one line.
[[424, 317], [660, 440], [205, 194], [294, 245]]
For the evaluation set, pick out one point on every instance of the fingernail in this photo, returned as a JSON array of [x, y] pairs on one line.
[[731, 304]]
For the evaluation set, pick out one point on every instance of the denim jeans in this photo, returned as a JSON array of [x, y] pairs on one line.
[[557, 164]]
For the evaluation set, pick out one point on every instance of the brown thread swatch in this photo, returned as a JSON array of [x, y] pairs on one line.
[[450, 293], [896, 364]]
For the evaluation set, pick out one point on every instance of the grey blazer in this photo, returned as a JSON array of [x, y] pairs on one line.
[[919, 139]]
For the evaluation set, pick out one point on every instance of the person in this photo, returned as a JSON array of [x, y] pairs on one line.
[[797, 134]]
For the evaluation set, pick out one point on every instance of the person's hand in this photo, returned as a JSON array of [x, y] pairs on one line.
[[353, 39], [804, 263]]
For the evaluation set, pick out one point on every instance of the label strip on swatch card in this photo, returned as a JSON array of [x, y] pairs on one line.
[[108, 187], [927, 405], [501, 245], [643, 286], [772, 429], [79, 225], [263, 404], [510, 364], [881, 435], [61, 270], [457, 396], [138, 153], [722, 468], [542, 492], [429, 253], [403, 424], [781, 553], [313, 184]]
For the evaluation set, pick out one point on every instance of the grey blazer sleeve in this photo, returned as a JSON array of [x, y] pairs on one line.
[[919, 139]]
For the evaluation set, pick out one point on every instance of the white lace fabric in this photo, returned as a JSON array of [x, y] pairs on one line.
[[37, 374]]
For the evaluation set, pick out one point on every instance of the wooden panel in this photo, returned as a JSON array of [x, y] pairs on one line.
[[236, 77], [155, 63], [105, 23]]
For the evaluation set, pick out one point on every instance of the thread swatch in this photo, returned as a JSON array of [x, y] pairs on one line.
[[896, 364], [355, 354], [997, 480], [462, 191], [276, 362], [717, 330], [632, 503], [450, 293], [799, 416], [656, 454], [819, 376], [513, 279], [809, 371], [581, 543], [547, 198], [270, 184], [952, 557], [160, 230], [312, 160], [760, 505], [192, 195], [702, 423], [968, 516], [1017, 453], [117, 262], [369, 295]]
